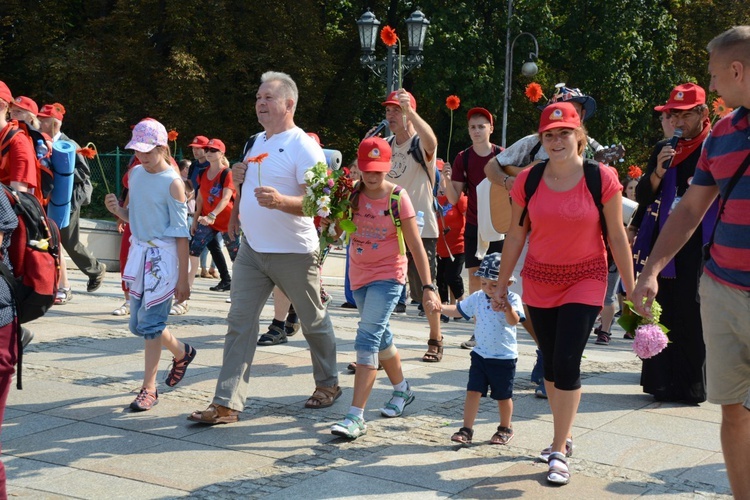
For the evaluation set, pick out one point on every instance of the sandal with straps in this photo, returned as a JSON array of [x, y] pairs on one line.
[[63, 296], [179, 308], [393, 410], [502, 436], [323, 397], [180, 367], [558, 472], [463, 435], [123, 310], [434, 352]]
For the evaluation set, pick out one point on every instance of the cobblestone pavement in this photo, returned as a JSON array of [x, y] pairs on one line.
[[68, 434]]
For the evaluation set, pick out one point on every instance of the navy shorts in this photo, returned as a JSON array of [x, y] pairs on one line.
[[497, 374]]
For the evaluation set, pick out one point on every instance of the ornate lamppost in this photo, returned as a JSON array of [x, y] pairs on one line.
[[387, 70], [528, 69]]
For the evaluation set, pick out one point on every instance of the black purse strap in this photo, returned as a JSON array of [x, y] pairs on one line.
[[732, 183]]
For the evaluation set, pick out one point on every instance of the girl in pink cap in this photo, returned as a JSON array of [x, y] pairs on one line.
[[157, 264]]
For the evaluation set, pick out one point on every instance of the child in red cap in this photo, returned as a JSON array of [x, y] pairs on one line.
[[378, 273]]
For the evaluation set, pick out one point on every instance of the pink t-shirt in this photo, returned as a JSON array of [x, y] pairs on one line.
[[567, 260], [373, 250]]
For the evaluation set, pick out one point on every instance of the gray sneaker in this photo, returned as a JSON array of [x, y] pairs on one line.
[[469, 344]]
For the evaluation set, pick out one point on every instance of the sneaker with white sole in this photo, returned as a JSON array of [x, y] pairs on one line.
[[469, 344], [356, 428]]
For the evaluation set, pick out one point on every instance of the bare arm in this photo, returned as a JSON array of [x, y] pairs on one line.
[[270, 198], [514, 242], [430, 299], [618, 242]]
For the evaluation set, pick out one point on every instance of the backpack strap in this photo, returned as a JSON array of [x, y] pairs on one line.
[[594, 184], [249, 145], [532, 182], [5, 142], [535, 150], [395, 212]]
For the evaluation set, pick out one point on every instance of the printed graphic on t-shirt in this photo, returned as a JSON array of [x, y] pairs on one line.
[[214, 193], [371, 229], [399, 162]]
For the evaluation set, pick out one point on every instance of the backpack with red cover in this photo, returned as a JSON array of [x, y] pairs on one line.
[[45, 176], [35, 254]]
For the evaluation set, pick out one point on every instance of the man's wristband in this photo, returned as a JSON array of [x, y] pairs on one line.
[[430, 287]]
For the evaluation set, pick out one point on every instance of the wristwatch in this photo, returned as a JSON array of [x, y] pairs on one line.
[[431, 287]]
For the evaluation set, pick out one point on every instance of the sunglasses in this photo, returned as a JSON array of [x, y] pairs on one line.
[[212, 150]]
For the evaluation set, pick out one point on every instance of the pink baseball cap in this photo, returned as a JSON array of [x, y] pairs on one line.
[[148, 134]]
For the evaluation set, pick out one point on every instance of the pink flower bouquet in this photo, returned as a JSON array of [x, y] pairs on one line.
[[650, 336]]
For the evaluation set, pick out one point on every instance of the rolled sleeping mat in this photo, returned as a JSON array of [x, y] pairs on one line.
[[628, 210], [333, 158], [63, 165]]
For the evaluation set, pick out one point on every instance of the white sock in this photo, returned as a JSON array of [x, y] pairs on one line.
[[402, 387], [398, 401], [357, 412]]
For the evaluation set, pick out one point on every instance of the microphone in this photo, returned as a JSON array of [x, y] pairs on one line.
[[673, 145], [381, 126]]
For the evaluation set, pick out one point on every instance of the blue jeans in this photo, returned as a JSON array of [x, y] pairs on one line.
[[375, 303]]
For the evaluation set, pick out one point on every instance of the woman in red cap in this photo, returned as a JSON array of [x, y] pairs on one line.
[[213, 205], [377, 271], [25, 109], [565, 273]]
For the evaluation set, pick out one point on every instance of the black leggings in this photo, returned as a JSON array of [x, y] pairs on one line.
[[449, 276], [563, 332]]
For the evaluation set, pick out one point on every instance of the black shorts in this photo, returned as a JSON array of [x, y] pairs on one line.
[[471, 236], [497, 374]]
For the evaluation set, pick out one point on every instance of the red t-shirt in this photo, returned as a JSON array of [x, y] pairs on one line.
[[567, 260], [212, 191], [19, 164], [454, 217], [472, 173]]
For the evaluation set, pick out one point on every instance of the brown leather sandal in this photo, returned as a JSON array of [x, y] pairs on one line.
[[215, 414], [434, 352], [502, 436], [323, 397]]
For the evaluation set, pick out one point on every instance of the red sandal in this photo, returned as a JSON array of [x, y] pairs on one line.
[[180, 367]]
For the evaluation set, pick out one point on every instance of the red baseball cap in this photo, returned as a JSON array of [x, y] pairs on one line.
[[374, 155], [55, 110], [685, 96], [26, 103], [480, 111], [393, 99], [315, 137], [216, 144], [5, 94], [199, 141], [559, 115]]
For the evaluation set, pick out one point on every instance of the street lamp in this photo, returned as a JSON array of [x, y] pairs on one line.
[[416, 31], [529, 67]]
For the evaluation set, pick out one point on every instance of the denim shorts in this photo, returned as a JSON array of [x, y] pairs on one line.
[[375, 303], [497, 374], [148, 323]]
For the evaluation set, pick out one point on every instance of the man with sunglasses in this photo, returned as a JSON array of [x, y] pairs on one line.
[[677, 373]]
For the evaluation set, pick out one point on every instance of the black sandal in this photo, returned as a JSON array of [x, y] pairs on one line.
[[436, 355], [274, 335], [463, 435], [180, 367], [502, 436]]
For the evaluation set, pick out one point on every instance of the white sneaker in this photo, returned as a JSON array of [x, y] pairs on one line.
[[229, 300]]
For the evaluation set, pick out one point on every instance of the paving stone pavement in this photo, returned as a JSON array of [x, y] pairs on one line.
[[69, 433]]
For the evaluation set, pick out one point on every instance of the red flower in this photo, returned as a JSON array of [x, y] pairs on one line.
[[635, 172], [388, 35], [453, 102], [720, 108], [257, 159], [534, 92], [172, 135], [88, 152]]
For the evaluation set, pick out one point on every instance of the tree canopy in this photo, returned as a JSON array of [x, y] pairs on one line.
[[196, 66]]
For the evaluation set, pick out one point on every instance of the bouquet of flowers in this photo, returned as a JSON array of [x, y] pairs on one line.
[[327, 196], [650, 336]]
